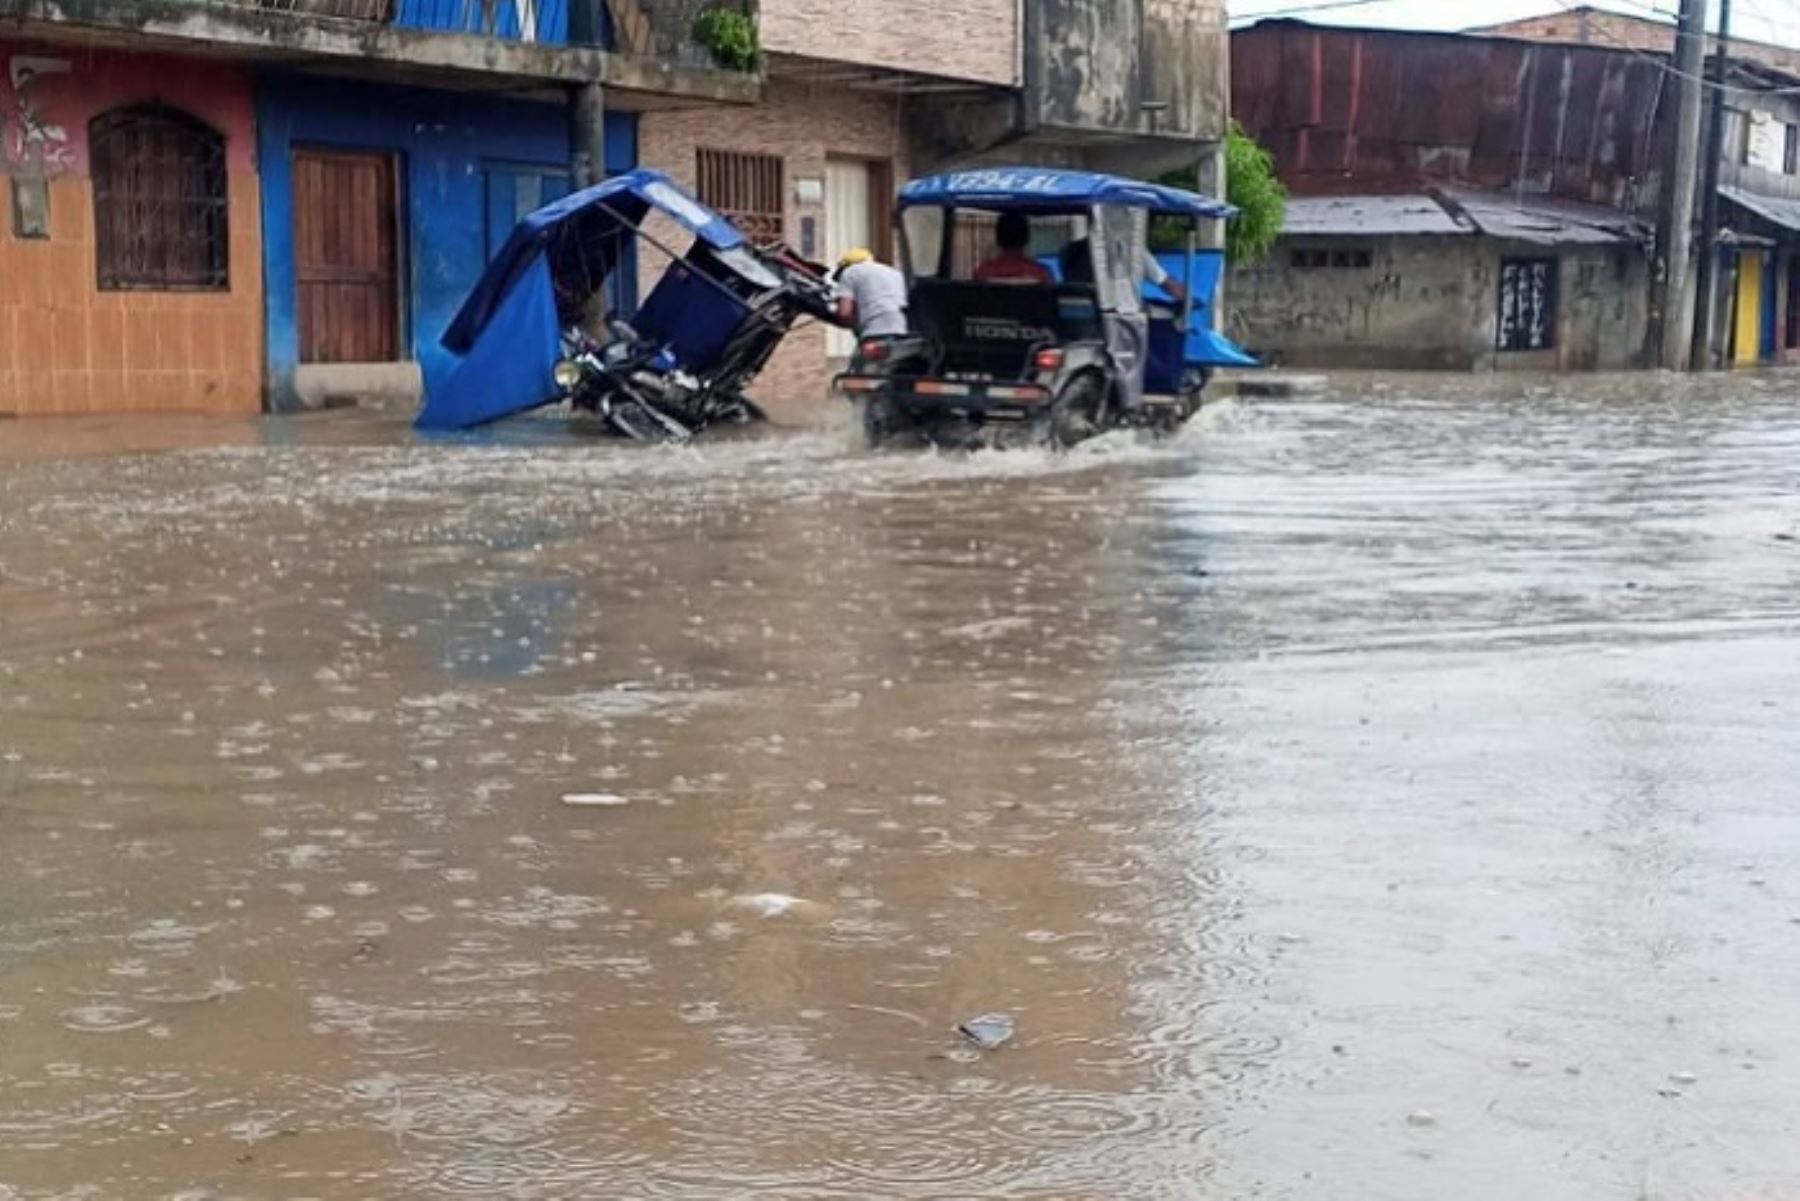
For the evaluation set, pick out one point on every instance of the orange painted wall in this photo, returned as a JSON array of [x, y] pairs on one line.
[[68, 347]]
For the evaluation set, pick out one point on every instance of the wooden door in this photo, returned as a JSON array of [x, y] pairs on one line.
[[346, 261]]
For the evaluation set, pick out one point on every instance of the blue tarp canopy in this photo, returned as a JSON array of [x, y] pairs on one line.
[[1206, 347], [1047, 190], [508, 332], [583, 235]]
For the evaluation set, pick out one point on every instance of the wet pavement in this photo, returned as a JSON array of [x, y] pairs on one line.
[[1388, 795]]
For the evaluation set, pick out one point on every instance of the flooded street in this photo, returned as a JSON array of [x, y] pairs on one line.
[[1376, 796]]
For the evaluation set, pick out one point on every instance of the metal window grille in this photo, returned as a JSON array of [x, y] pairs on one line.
[[748, 189], [1527, 304], [161, 201]]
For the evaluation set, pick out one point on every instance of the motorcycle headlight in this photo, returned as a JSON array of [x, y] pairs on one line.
[[567, 374]]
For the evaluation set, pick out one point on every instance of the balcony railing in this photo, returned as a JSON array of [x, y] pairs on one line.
[[662, 29]]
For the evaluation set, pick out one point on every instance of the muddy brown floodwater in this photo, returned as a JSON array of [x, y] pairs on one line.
[[1391, 795]]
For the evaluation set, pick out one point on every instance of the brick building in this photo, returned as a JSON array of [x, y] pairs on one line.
[[862, 94]]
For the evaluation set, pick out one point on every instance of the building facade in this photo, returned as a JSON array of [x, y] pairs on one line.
[[1449, 281], [269, 206], [111, 160], [242, 206], [862, 94], [1756, 304], [1458, 202]]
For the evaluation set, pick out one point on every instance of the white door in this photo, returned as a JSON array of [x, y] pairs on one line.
[[848, 224]]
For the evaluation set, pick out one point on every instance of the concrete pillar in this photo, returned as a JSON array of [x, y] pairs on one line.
[[1676, 237], [587, 105], [1210, 180]]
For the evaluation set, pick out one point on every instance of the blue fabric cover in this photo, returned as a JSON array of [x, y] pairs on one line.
[[583, 235], [691, 316], [510, 368], [1044, 189], [1205, 346], [508, 334]]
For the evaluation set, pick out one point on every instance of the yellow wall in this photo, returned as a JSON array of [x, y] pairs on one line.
[[1748, 345]]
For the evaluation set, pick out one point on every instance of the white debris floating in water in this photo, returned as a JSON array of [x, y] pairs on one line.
[[769, 904], [595, 800]]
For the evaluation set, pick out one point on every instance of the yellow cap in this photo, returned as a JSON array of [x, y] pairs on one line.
[[861, 254]]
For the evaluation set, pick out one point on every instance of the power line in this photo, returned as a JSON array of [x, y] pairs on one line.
[[1569, 6]]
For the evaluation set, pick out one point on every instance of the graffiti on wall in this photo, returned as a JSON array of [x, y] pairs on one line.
[[31, 139]]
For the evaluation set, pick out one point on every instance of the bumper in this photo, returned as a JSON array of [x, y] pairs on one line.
[[944, 396]]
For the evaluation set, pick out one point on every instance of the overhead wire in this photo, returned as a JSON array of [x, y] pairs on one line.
[[1669, 68]]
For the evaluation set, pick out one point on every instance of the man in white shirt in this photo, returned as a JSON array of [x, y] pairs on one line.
[[1078, 268], [872, 296]]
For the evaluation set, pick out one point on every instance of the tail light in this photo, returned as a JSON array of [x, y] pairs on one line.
[[873, 351], [1048, 361]]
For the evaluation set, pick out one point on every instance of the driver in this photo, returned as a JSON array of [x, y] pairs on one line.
[[1014, 264]]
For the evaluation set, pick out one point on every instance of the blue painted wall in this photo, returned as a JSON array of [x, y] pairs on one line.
[[450, 146]]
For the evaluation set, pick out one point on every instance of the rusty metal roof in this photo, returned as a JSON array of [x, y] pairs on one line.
[[1773, 209], [1547, 221], [1371, 216], [1359, 112], [1461, 213]]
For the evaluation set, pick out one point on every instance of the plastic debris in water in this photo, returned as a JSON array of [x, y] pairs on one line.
[[595, 800], [990, 1031], [769, 904]]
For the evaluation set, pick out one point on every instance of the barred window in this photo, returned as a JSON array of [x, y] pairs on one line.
[[161, 204], [1527, 304], [748, 189]]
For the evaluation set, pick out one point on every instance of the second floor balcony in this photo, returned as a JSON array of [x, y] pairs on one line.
[[648, 45]]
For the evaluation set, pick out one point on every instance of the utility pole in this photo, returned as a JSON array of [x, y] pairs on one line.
[[1676, 237], [1706, 303]]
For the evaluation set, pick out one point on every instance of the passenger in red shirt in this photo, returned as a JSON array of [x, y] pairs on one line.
[[1014, 264]]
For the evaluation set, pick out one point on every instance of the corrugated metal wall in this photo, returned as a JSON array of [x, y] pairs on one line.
[[1352, 110]]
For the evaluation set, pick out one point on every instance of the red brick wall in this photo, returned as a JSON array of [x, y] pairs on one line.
[[960, 39], [804, 126]]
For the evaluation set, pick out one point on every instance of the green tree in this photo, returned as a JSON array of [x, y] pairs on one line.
[[1253, 188]]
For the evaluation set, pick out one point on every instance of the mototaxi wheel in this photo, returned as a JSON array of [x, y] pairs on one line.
[[1078, 412], [741, 410], [636, 420], [1194, 381], [881, 421]]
